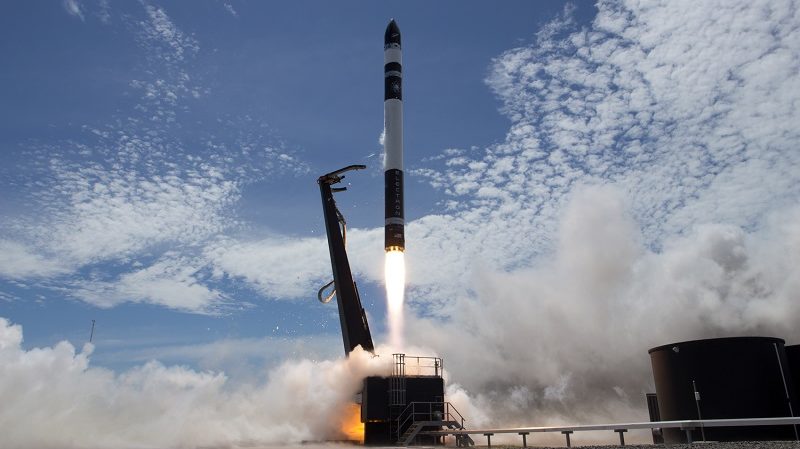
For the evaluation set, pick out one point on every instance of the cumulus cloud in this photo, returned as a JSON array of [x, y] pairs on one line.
[[54, 397]]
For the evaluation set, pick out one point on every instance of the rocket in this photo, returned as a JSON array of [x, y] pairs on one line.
[[393, 139]]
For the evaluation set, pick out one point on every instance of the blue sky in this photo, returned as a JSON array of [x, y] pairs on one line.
[[579, 177], [245, 77]]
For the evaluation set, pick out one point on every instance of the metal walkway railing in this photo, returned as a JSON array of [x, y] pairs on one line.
[[419, 415], [621, 428]]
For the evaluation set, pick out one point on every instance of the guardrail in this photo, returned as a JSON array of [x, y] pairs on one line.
[[621, 428], [429, 411]]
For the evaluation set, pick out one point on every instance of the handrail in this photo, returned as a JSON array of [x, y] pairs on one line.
[[413, 414], [460, 416], [420, 365], [683, 424]]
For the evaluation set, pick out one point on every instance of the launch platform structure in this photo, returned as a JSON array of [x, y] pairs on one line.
[[411, 413], [395, 409]]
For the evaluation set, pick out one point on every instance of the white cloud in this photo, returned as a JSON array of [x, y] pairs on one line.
[[279, 268], [111, 213], [103, 11], [17, 261], [160, 29], [639, 99], [136, 187], [229, 7], [294, 267], [170, 83], [73, 7], [172, 282]]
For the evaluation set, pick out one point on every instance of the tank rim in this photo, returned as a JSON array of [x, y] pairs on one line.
[[704, 340]]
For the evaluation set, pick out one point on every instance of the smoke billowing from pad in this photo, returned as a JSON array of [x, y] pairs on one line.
[[52, 397], [395, 272], [566, 341]]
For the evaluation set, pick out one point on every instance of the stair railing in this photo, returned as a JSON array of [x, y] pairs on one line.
[[426, 411]]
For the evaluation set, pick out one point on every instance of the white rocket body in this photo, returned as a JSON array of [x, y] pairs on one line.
[[393, 139]]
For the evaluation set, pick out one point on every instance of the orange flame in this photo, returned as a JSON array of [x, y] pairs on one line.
[[351, 426]]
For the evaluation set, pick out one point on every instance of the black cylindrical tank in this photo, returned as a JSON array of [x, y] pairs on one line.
[[736, 377]]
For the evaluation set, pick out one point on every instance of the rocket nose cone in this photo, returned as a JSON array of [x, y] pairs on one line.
[[392, 35]]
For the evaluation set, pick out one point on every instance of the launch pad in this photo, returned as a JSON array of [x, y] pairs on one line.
[[399, 408]]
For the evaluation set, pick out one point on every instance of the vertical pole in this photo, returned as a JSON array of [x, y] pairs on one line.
[[566, 433], [621, 436], [489, 439], [786, 389], [524, 439], [697, 403]]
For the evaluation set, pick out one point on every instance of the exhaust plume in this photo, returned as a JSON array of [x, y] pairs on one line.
[[395, 275]]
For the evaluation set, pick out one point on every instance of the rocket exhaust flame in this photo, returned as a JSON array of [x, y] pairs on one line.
[[395, 273], [351, 426]]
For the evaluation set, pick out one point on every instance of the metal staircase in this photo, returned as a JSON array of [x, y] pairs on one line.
[[419, 416], [408, 421]]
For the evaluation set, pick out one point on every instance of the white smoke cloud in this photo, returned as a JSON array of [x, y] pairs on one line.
[[566, 341], [54, 398]]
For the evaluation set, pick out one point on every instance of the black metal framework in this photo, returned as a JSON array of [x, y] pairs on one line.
[[355, 329]]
